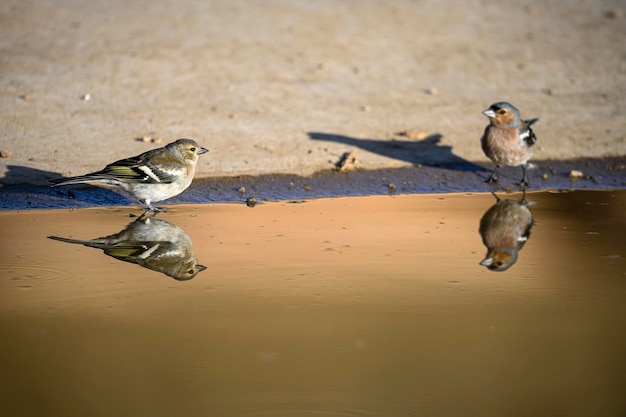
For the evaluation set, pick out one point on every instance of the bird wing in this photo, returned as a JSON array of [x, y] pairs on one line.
[[134, 251], [138, 169], [527, 133]]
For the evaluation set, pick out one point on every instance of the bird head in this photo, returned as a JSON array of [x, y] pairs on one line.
[[503, 114], [500, 259], [188, 148]]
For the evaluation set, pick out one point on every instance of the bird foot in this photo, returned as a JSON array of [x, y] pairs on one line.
[[492, 180], [153, 210], [523, 184]]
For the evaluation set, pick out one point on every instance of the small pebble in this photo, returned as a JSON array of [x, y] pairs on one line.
[[150, 139], [366, 109], [5, 154], [416, 134], [250, 202], [544, 176], [85, 97], [392, 187], [575, 174], [615, 14], [241, 190], [431, 91]]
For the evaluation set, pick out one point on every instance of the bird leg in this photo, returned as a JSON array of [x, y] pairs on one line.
[[493, 178], [523, 183], [153, 209]]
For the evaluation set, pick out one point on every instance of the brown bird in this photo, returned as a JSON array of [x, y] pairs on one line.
[[505, 229], [508, 140]]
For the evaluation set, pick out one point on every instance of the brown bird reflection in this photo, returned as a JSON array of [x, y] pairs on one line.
[[151, 243], [505, 228]]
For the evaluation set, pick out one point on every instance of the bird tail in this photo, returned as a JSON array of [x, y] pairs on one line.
[[67, 240], [93, 243], [531, 122], [82, 179]]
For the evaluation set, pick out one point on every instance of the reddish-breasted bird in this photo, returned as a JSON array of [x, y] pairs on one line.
[[505, 229], [153, 176], [508, 140]]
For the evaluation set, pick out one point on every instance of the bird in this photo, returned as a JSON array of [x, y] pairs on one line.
[[508, 139], [152, 176], [151, 243], [505, 228]]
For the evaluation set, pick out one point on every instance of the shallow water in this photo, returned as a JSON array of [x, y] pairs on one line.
[[360, 306]]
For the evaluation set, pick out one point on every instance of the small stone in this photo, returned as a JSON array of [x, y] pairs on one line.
[[544, 176], [347, 162], [85, 97], [415, 134], [25, 97], [431, 91], [241, 190], [615, 14], [392, 187], [307, 188], [250, 202], [366, 109], [548, 92], [575, 174], [150, 139], [5, 154]]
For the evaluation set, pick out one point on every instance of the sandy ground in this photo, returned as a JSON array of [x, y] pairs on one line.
[[289, 86]]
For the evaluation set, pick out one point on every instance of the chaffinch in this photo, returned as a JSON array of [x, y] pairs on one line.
[[508, 140], [153, 176], [151, 243], [505, 229]]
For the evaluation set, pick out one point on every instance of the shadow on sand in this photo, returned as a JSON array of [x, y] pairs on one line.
[[25, 187], [427, 152]]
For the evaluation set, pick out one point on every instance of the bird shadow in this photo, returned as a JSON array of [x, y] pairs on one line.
[[26, 187], [16, 174], [427, 151]]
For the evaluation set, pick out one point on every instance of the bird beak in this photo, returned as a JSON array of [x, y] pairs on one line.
[[200, 268], [489, 113], [486, 262], [202, 150]]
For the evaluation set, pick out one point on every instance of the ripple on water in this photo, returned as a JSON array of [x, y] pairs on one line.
[[24, 276]]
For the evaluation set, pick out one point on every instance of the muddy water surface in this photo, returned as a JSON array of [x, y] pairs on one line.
[[361, 306]]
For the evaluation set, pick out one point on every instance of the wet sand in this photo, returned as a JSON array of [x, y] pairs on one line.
[[371, 306]]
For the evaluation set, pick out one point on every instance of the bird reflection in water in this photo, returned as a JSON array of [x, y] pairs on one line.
[[504, 229], [151, 243]]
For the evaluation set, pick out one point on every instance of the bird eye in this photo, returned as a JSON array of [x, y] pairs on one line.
[[192, 149], [190, 272], [501, 111]]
